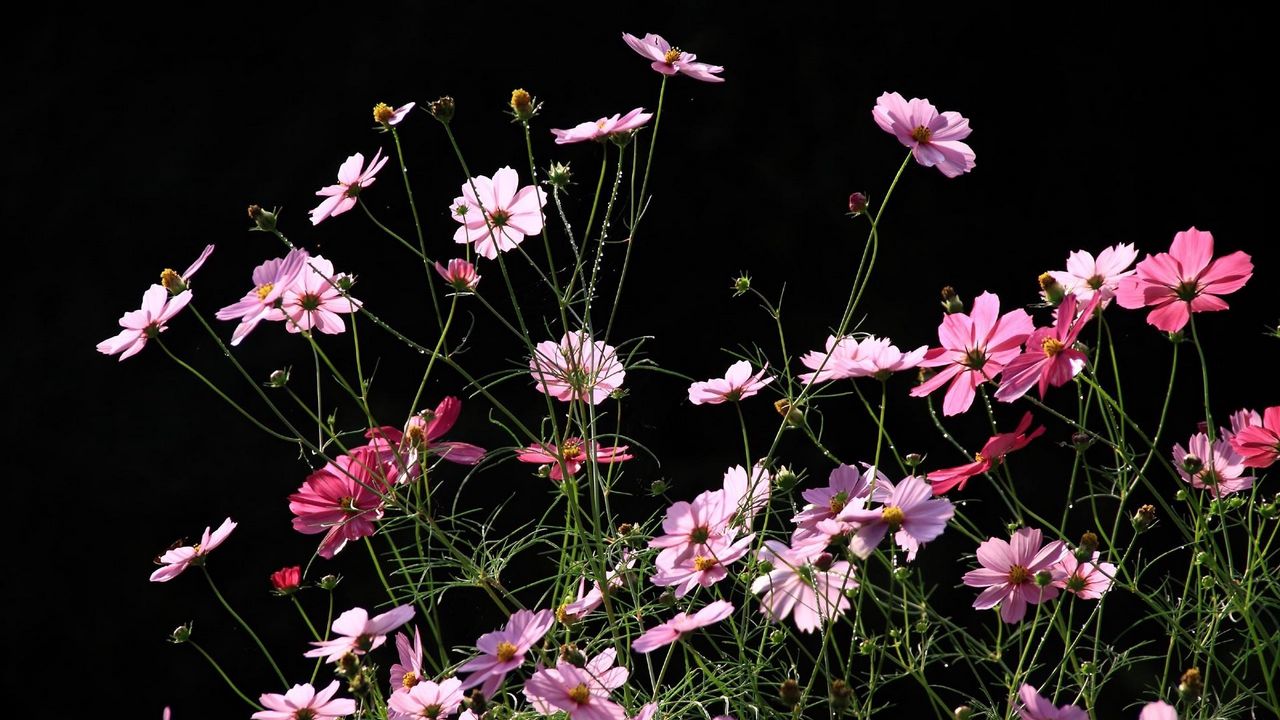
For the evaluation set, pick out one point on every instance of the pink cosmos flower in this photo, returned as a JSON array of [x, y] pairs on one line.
[[177, 559], [737, 384], [426, 700], [1086, 580], [175, 283], [353, 176], [603, 128], [745, 496], [1258, 444], [991, 455], [671, 60], [600, 676], [421, 440], [1035, 707], [809, 586], [408, 672], [1009, 571], [286, 580], [851, 358], [844, 486], [687, 572], [460, 274], [647, 711], [314, 300], [302, 702], [1184, 280], [503, 650], [578, 367], [691, 528], [387, 116], [158, 308], [594, 598], [974, 349], [910, 511], [1050, 358], [680, 625], [340, 500], [934, 138], [568, 458], [1158, 710], [1222, 468], [358, 633], [270, 281], [1086, 277], [495, 215], [572, 690]]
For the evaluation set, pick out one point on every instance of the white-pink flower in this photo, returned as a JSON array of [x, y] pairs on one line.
[[302, 702], [387, 116], [426, 699], [577, 368], [849, 357], [408, 672], [1032, 706], [495, 215], [1085, 580], [270, 281], [737, 384], [670, 60], [807, 585], [314, 300], [603, 128], [934, 138], [140, 325], [1221, 469], [353, 177], [177, 559], [746, 495], [358, 633], [1158, 710], [1086, 276], [503, 651], [910, 511], [690, 528], [680, 625], [572, 690]]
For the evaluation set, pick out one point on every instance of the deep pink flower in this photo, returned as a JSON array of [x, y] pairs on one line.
[[572, 690], [603, 128], [680, 625], [408, 672], [158, 308], [400, 451], [314, 300], [1258, 444], [340, 500], [1085, 580], [1035, 707], [737, 384], [1009, 571], [1158, 710], [353, 176], [934, 138], [671, 60], [1086, 277], [302, 702], [460, 274], [844, 486], [690, 528], [286, 580], [503, 650], [910, 511], [1222, 471], [991, 455], [1050, 358], [495, 215], [358, 633], [974, 349], [426, 699], [1184, 280], [577, 367], [599, 674], [686, 572], [270, 281], [806, 584], [568, 458], [177, 559]]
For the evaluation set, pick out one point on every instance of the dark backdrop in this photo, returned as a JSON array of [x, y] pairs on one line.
[[137, 138]]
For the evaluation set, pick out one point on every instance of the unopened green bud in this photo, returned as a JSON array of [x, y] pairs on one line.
[[279, 378], [1144, 518], [951, 302], [559, 176], [741, 284], [964, 712], [913, 459], [329, 582], [180, 634], [263, 220]]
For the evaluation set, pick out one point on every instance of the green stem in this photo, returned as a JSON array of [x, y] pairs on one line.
[[246, 627], [223, 675]]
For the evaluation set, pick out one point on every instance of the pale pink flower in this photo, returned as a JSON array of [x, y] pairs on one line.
[[426, 699], [1158, 710], [358, 633], [879, 357], [1035, 707], [158, 308], [599, 675], [974, 349], [572, 690], [934, 138], [680, 625], [1086, 580], [689, 528], [746, 495], [686, 572], [646, 713], [737, 384], [353, 176], [1086, 276], [849, 357], [569, 456], [302, 702], [495, 215], [1050, 358], [1240, 420], [809, 586], [577, 368], [177, 559], [910, 511], [594, 597], [603, 128], [844, 486], [991, 455], [460, 274], [670, 60], [503, 650], [1009, 571], [1184, 280], [1222, 471], [270, 281], [176, 283], [340, 500], [314, 300], [1258, 444], [387, 116], [408, 672]]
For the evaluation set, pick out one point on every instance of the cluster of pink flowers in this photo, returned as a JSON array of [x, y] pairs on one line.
[[849, 357], [300, 290]]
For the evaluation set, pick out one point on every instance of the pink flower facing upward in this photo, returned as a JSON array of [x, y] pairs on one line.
[[503, 651], [577, 368], [353, 176], [1158, 710], [568, 458], [460, 274], [1050, 358], [1258, 444], [1032, 706], [408, 672], [671, 60], [692, 529], [302, 702], [340, 500], [426, 700], [911, 512], [845, 486], [314, 301], [974, 349], [991, 455], [1217, 468], [681, 625], [934, 138], [737, 384], [270, 281], [572, 690], [809, 586], [1086, 276], [1184, 280], [158, 308], [1086, 580], [687, 572], [177, 559], [360, 633], [1016, 573], [599, 674], [603, 128], [495, 215]]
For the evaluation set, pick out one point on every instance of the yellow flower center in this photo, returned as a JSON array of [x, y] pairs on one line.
[[410, 679], [838, 501], [571, 450], [893, 515], [520, 99], [264, 290], [922, 134], [1018, 575], [978, 457], [580, 695], [506, 651], [1095, 282], [1051, 346], [703, 564], [672, 55], [172, 281], [347, 504], [383, 113]]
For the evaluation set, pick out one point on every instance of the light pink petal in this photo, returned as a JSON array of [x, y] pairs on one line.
[[1227, 274], [1192, 249]]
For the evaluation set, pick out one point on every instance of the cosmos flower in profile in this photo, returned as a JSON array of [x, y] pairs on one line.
[[353, 176], [670, 60], [358, 633], [603, 128], [680, 625], [737, 384], [178, 559]]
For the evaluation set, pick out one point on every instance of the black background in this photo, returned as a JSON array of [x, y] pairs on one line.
[[136, 138]]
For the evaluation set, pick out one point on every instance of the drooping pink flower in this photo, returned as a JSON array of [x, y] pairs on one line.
[[746, 495], [680, 625], [577, 367], [495, 215], [1184, 280], [314, 300], [1085, 580], [1034, 707], [1221, 470], [1258, 444], [934, 138], [358, 633], [460, 274], [737, 384], [353, 176], [844, 486], [270, 281], [387, 116], [569, 456], [302, 702], [689, 528], [340, 500], [1050, 358], [974, 349], [991, 455], [1158, 710], [809, 586], [600, 675], [503, 650], [604, 127], [426, 699], [405, 451], [684, 573], [286, 580], [572, 690], [1086, 276], [594, 598], [177, 559], [1009, 573], [910, 511], [408, 672], [140, 325], [670, 60]]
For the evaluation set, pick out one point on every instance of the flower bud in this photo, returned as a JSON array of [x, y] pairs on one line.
[[286, 581], [777, 637], [785, 479], [868, 646], [901, 574], [559, 176], [793, 416], [1088, 545], [1144, 518], [1044, 578], [964, 712], [1088, 668], [572, 655], [1192, 464], [262, 219], [1190, 685], [741, 284], [912, 459], [329, 582], [1051, 289], [922, 625], [1182, 494], [1176, 337], [1081, 441], [951, 302], [278, 378], [841, 695], [667, 599], [523, 106], [790, 692], [442, 109], [858, 204], [823, 561], [657, 487], [180, 634], [476, 701]]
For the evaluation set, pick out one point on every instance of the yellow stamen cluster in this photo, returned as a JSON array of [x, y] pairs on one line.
[[672, 55], [410, 679], [521, 100], [893, 515], [1018, 575], [922, 134], [506, 651], [580, 695], [383, 113], [1051, 346], [703, 564], [264, 290], [172, 281]]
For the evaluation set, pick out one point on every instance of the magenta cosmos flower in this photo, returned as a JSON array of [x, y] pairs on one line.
[[360, 633], [302, 702], [991, 455], [934, 138], [495, 215], [567, 459], [1009, 573], [1085, 580], [1158, 710], [572, 690], [353, 176], [503, 651], [314, 300], [910, 511], [737, 384], [270, 281], [604, 127], [340, 500], [1258, 443], [460, 274], [807, 585], [1184, 280], [681, 625], [426, 699], [1221, 468], [286, 580], [974, 349], [577, 368], [140, 325], [670, 60], [177, 559], [1050, 358], [1087, 276], [1032, 706], [405, 451]]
